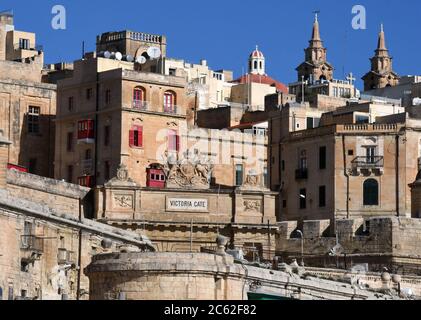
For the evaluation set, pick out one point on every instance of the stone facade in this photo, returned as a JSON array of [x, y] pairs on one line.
[[381, 242], [187, 219], [27, 105], [181, 276]]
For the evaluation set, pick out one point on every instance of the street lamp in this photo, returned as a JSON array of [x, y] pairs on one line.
[[302, 246]]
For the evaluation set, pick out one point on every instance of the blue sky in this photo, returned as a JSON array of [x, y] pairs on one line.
[[225, 31]]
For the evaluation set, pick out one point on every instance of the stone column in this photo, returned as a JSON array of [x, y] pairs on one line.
[[4, 156]]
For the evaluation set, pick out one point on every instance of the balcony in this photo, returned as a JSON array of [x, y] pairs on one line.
[[172, 109], [86, 132], [368, 165], [146, 106], [32, 243], [87, 165], [140, 105], [301, 174], [65, 256]]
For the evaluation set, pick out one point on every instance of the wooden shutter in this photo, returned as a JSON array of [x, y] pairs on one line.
[[140, 136], [131, 138]]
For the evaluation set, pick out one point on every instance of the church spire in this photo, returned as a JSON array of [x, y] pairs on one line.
[[315, 66], [316, 30], [381, 73], [381, 45]]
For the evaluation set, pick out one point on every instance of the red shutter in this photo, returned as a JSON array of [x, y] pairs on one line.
[[131, 138], [140, 136], [177, 143]]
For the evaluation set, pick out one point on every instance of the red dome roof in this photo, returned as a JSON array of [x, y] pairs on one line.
[[257, 54], [256, 78]]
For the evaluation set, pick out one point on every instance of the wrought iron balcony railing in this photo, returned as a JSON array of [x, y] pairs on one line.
[[368, 162], [301, 174], [30, 242], [140, 105], [65, 256]]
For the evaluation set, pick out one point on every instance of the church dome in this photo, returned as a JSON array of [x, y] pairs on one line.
[[257, 54]]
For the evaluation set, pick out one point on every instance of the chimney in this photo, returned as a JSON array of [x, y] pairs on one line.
[[4, 155]]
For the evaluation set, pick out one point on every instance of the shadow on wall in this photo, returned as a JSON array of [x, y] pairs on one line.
[[37, 143]]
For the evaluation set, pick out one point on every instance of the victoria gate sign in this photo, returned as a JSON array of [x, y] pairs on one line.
[[193, 205]]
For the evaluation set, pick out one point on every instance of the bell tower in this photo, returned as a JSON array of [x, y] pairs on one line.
[[257, 62], [315, 67], [381, 74]]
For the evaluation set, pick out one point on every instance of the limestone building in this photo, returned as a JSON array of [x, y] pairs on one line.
[[381, 74], [27, 105]]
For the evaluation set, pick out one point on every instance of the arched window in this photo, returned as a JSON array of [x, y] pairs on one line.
[[139, 94], [261, 65], [169, 102], [255, 65], [371, 192]]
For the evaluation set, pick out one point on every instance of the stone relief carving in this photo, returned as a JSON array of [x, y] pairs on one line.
[[252, 205], [122, 178], [252, 180], [122, 173], [188, 172], [123, 201]]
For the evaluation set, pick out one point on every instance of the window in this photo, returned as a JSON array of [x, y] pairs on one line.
[[239, 174], [303, 198], [70, 105], [265, 177], [138, 94], [69, 141], [172, 72], [322, 196], [107, 131], [173, 141], [24, 266], [303, 160], [10, 294], [350, 153], [107, 170], [169, 102], [255, 65], [136, 137], [28, 228], [371, 192], [361, 120], [33, 119], [88, 154], [24, 44], [371, 154], [89, 93], [310, 123], [107, 96], [32, 168], [70, 174], [322, 158]]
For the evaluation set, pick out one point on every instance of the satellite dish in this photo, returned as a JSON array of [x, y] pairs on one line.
[[154, 52], [128, 58], [141, 60], [118, 56], [105, 54]]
